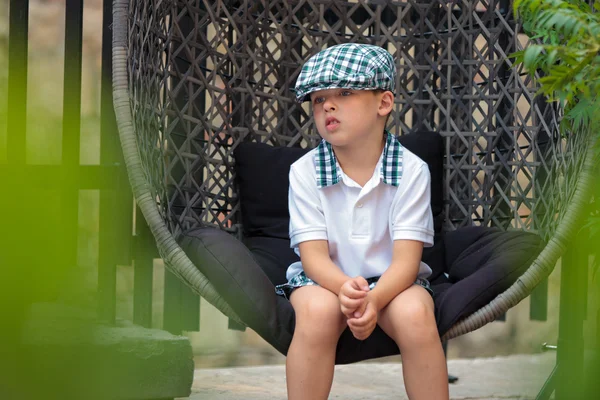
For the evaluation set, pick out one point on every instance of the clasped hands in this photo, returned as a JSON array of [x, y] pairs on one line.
[[359, 306]]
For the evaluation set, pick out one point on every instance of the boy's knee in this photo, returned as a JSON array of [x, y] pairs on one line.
[[415, 322], [318, 318], [317, 311]]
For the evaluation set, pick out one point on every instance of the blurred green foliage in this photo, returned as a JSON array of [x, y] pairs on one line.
[[567, 54], [566, 57]]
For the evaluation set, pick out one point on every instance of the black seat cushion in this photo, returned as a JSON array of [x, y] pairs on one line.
[[233, 271], [485, 260], [274, 255], [470, 266], [482, 263]]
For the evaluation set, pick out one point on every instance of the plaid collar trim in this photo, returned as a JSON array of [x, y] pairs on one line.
[[329, 171]]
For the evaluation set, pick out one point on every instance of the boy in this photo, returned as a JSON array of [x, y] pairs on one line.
[[359, 218]]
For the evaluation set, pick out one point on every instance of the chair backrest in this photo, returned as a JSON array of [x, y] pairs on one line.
[[206, 75]]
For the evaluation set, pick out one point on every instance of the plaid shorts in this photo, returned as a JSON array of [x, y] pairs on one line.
[[301, 279]]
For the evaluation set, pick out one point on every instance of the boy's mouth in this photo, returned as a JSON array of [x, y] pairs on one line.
[[331, 123]]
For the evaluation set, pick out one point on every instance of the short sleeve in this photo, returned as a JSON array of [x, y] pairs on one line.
[[307, 221], [410, 215]]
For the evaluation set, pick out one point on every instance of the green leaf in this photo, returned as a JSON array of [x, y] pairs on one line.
[[531, 55], [518, 56], [551, 57], [563, 56]]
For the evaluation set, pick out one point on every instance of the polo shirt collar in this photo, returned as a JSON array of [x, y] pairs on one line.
[[329, 171]]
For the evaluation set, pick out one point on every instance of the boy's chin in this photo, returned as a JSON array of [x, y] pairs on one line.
[[336, 141], [340, 139]]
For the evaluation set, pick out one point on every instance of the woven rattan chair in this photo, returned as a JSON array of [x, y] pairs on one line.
[[194, 79]]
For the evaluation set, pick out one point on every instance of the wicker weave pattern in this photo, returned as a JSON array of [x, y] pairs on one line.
[[191, 79], [206, 75]]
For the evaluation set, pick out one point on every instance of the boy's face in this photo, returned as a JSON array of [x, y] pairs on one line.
[[346, 117]]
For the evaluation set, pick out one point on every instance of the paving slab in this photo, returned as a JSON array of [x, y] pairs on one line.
[[511, 377]]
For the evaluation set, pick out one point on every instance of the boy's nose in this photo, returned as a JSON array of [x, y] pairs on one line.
[[328, 105]]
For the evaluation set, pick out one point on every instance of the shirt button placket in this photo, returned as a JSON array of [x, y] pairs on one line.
[[359, 221]]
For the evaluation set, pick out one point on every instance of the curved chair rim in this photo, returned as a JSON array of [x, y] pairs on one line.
[[179, 263]]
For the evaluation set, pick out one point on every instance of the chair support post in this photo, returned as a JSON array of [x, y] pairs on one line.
[[451, 378], [573, 297], [566, 379]]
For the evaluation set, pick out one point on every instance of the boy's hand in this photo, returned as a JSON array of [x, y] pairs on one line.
[[352, 295], [363, 326]]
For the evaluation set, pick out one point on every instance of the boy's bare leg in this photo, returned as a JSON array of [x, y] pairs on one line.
[[310, 359], [409, 320]]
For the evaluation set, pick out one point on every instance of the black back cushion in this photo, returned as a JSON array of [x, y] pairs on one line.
[[262, 174]]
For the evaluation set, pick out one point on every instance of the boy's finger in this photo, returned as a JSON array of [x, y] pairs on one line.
[[360, 310], [358, 335], [355, 294], [362, 333], [365, 318], [348, 308], [357, 323], [361, 283], [352, 292], [351, 303]]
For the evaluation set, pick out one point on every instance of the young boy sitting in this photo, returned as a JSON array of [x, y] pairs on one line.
[[359, 217]]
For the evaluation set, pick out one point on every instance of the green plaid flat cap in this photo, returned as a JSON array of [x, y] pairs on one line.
[[348, 66]]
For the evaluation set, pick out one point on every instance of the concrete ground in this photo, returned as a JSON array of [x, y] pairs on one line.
[[512, 377]]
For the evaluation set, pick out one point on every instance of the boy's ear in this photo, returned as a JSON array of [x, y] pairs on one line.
[[386, 103]]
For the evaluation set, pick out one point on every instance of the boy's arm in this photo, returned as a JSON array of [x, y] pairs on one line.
[[401, 273], [319, 267], [308, 232], [412, 223]]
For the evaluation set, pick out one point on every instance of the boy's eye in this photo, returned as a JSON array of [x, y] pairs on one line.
[[318, 100], [345, 93]]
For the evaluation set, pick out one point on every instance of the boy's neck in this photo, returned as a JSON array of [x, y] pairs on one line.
[[359, 160]]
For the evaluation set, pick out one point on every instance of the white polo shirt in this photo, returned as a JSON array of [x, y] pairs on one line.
[[360, 223]]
